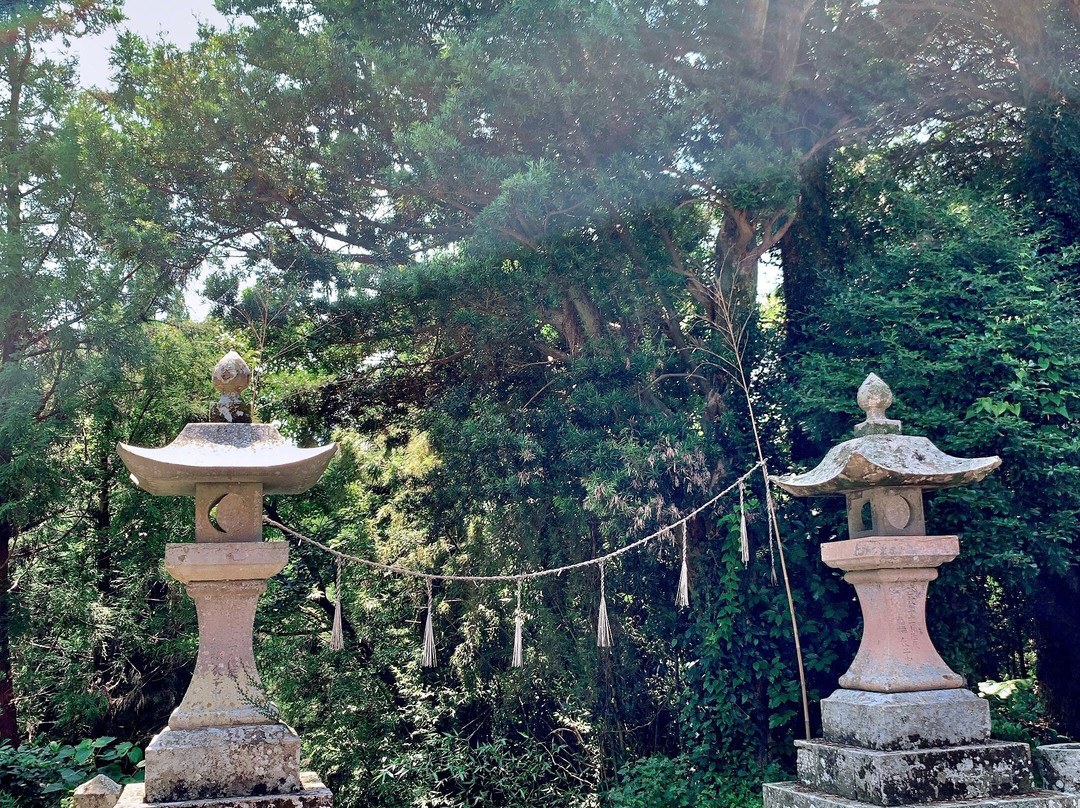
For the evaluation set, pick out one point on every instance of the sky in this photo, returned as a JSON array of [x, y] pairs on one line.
[[151, 19]]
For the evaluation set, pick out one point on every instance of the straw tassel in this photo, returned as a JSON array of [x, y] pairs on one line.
[[337, 639], [603, 627], [518, 659], [430, 658], [772, 555], [744, 539], [772, 533], [682, 598]]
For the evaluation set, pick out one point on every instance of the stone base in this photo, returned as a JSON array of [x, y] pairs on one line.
[[213, 762], [313, 795], [992, 769], [1059, 766], [920, 720], [796, 795]]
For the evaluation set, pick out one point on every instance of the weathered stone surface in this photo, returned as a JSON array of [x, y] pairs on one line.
[[882, 457], [222, 762], [993, 769], [225, 688], [889, 721], [890, 552], [226, 453], [228, 512], [795, 795], [891, 460], [1059, 766], [100, 792], [231, 377], [224, 746], [886, 511], [226, 561], [895, 654], [313, 795]]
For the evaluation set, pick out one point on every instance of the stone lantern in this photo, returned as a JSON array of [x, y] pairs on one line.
[[224, 746], [902, 729]]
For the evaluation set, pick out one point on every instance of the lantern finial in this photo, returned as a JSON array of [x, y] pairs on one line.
[[231, 377], [874, 398]]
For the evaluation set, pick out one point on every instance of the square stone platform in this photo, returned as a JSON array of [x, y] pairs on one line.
[[313, 795], [192, 764], [923, 749], [797, 795], [919, 720], [902, 777]]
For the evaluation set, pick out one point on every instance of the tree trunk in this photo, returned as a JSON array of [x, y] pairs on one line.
[[784, 40], [1058, 647], [805, 255], [806, 261]]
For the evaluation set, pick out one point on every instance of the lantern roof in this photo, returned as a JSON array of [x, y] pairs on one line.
[[228, 451], [880, 455]]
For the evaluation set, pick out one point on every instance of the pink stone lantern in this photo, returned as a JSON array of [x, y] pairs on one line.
[[888, 559], [224, 745], [902, 730]]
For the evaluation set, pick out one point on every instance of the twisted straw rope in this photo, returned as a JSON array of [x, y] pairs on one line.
[[521, 576]]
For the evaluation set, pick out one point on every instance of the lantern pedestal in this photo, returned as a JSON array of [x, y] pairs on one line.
[[798, 795], [902, 730], [224, 741], [189, 764], [894, 721], [225, 580], [891, 575]]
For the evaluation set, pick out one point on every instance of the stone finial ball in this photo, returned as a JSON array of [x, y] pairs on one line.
[[231, 374], [874, 397]]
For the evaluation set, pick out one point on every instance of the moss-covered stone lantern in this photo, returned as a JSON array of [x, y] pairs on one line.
[[902, 729]]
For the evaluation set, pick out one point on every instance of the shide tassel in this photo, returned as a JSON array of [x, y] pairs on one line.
[[518, 659], [603, 627], [682, 598], [772, 553], [773, 536], [337, 639], [430, 658], [744, 539]]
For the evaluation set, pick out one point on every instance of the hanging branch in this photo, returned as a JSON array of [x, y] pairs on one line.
[[737, 339]]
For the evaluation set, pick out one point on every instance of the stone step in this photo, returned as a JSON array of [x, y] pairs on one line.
[[915, 776], [313, 795], [797, 795]]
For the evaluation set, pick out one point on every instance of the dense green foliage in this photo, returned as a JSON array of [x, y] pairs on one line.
[[34, 775], [506, 255]]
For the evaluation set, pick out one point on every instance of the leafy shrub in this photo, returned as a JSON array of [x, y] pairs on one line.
[[38, 776], [663, 782], [1018, 712], [450, 771]]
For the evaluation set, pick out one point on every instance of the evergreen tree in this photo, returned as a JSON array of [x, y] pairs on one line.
[[84, 262]]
